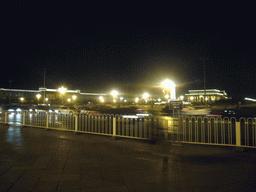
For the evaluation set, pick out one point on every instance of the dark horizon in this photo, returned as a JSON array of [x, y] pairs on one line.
[[102, 49]]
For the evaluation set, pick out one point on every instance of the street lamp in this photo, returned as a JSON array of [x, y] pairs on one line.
[[38, 97], [73, 98], [62, 91], [101, 99], [145, 96], [22, 99], [114, 93], [167, 84]]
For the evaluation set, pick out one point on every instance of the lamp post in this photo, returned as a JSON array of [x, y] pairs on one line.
[[38, 97], [167, 84], [145, 96], [114, 93], [46, 100], [62, 91], [136, 100]]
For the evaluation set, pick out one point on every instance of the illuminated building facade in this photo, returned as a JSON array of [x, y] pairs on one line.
[[208, 95], [47, 96]]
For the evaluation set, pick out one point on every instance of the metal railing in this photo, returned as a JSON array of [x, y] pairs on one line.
[[218, 131], [200, 130]]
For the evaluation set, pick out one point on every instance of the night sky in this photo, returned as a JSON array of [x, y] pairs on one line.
[[130, 47]]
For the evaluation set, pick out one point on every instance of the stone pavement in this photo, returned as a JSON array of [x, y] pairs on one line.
[[34, 159]]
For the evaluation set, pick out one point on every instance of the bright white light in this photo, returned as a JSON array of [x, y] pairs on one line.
[[136, 100], [74, 97], [250, 99], [38, 96], [166, 96], [143, 114], [62, 90], [18, 110], [130, 116], [121, 98], [191, 97], [114, 93], [181, 97], [167, 84], [101, 99], [145, 96]]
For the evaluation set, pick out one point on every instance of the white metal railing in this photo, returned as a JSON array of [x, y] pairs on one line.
[[217, 131], [201, 130]]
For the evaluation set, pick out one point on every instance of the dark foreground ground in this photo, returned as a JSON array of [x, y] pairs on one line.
[[33, 159]]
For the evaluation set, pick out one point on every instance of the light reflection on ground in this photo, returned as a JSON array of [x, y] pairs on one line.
[[14, 136], [15, 119]]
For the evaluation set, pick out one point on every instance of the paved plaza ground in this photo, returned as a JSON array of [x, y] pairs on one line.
[[34, 159]]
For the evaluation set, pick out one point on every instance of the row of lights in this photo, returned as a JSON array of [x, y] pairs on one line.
[[167, 84], [192, 98], [38, 96]]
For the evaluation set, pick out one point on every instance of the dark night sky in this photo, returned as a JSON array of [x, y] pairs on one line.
[[97, 47]]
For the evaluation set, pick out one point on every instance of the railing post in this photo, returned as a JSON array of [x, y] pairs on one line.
[[24, 118], [114, 128], [76, 124], [238, 134], [47, 120], [6, 118]]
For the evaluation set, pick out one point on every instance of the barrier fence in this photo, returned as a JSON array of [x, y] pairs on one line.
[[201, 130]]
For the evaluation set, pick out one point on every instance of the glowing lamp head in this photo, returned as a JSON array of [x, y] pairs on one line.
[[38, 96], [62, 90], [145, 96], [114, 93], [167, 84], [74, 97]]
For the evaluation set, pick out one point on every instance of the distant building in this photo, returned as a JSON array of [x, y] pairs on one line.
[[52, 95], [208, 95]]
